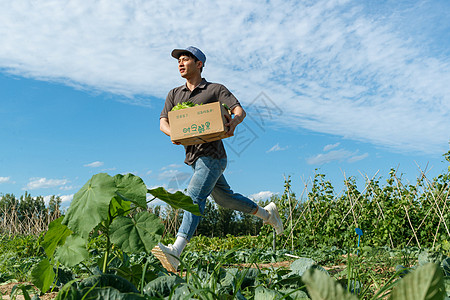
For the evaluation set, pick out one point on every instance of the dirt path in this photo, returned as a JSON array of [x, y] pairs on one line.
[[6, 289]]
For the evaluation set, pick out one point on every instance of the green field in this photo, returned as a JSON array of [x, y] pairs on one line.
[[403, 252]]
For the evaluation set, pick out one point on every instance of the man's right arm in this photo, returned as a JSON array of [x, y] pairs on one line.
[[164, 126]]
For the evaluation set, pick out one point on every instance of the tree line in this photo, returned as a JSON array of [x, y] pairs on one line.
[[27, 206]]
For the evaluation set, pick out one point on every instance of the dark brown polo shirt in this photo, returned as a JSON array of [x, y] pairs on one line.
[[205, 92]]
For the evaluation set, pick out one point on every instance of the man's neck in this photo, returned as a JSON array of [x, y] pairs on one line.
[[192, 83]]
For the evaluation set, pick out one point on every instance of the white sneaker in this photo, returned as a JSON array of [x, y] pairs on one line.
[[274, 218], [168, 257]]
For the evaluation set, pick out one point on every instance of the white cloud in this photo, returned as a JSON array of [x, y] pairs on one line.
[[331, 66], [276, 148], [66, 187], [336, 155], [356, 158], [66, 200], [5, 179], [42, 183], [172, 166], [94, 164], [263, 195], [330, 147]]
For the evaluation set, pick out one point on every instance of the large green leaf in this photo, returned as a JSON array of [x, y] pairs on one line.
[[90, 205], [322, 287], [105, 280], [140, 233], [109, 293], [134, 274], [262, 293], [426, 282], [73, 251], [132, 188], [119, 207], [177, 200], [302, 264], [42, 275], [163, 285], [55, 236], [69, 291]]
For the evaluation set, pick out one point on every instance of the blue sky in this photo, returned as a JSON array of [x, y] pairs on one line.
[[343, 88]]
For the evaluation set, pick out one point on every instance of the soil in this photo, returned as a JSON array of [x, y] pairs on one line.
[[6, 289]]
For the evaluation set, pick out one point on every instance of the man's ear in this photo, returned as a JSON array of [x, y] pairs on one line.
[[199, 64]]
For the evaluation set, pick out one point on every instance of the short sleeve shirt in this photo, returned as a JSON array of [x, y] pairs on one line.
[[205, 92]]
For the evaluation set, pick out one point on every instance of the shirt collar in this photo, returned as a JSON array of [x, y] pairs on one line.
[[201, 85]]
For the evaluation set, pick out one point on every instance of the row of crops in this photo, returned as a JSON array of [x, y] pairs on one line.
[[402, 251]]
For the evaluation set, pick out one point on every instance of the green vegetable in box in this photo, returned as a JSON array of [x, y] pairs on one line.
[[183, 105], [190, 104]]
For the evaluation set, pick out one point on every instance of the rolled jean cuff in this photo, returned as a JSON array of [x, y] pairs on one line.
[[183, 235]]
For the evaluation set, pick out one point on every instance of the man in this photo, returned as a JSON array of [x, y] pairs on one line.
[[207, 160]]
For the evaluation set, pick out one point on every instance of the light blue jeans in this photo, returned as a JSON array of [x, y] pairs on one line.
[[208, 180]]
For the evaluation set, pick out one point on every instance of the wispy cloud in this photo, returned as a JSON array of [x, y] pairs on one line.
[[330, 147], [330, 155], [276, 148], [332, 66], [5, 179], [95, 164], [171, 166], [43, 183]]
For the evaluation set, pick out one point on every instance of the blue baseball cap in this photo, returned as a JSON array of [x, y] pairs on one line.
[[176, 53]]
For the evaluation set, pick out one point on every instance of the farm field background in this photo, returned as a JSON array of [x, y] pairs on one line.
[[403, 239]]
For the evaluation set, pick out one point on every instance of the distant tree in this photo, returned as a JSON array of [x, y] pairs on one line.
[[247, 224], [226, 222], [54, 204], [29, 206], [8, 203]]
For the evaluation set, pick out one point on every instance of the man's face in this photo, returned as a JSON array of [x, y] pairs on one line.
[[188, 67]]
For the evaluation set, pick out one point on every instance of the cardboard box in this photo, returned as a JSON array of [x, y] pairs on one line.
[[198, 124]]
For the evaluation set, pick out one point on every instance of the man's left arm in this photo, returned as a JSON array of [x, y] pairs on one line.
[[239, 115]]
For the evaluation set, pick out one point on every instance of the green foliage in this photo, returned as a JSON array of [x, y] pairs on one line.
[[27, 207], [55, 236], [111, 204], [105, 280], [72, 252], [319, 224], [91, 200], [184, 105], [177, 200], [140, 233], [395, 215], [42, 275], [163, 285], [321, 286], [424, 283]]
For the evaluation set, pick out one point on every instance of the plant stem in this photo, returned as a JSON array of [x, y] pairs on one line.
[[105, 261]]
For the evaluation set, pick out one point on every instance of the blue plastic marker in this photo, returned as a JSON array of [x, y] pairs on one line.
[[359, 233]]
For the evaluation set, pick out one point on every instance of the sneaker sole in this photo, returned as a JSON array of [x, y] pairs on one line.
[[161, 256]]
